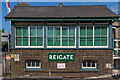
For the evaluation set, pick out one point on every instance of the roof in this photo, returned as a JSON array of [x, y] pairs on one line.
[[60, 12]]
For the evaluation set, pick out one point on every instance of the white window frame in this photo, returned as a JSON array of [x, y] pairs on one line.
[[115, 40], [60, 38], [29, 38], [32, 66], [93, 39], [90, 64]]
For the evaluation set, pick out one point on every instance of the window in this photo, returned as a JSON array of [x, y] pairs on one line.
[[86, 36], [33, 64], [100, 36], [22, 36], [116, 43], [61, 36], [89, 64], [53, 36], [29, 36], [36, 36], [116, 52], [93, 36]]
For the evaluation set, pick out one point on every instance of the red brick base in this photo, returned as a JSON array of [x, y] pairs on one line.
[[72, 68]]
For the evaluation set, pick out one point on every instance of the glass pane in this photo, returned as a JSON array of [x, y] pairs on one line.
[[82, 41], [25, 41], [88, 64], [57, 41], [50, 31], [64, 31], [82, 31], [33, 64], [19, 31], [97, 41], [118, 52], [64, 41], [32, 31], [33, 41], [114, 52], [28, 64], [72, 31], [84, 64], [89, 41], [19, 42], [93, 64], [97, 31], [115, 44], [104, 41], [25, 31], [57, 31], [118, 44], [37, 64], [89, 31], [50, 41], [103, 31], [39, 41], [39, 31], [72, 41]]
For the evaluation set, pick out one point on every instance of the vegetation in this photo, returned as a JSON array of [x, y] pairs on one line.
[[3, 30], [8, 75]]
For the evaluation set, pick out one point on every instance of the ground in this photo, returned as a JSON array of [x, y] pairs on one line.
[[0, 71]]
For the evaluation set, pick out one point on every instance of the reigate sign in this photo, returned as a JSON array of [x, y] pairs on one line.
[[61, 57]]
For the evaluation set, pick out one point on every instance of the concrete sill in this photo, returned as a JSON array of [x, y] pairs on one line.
[[89, 69], [32, 69]]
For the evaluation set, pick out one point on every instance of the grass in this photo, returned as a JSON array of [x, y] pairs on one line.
[[8, 75]]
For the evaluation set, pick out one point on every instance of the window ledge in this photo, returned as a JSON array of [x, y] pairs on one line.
[[29, 46], [33, 69], [89, 69]]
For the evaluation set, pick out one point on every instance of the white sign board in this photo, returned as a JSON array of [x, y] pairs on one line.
[[16, 57], [60, 65]]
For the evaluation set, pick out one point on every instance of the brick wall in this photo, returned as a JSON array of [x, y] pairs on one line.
[[72, 68]]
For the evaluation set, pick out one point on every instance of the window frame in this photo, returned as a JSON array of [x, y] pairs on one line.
[[90, 64], [26, 64], [28, 37], [116, 44], [20, 36], [93, 26], [60, 38]]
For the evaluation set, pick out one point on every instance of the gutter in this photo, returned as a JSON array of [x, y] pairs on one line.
[[55, 19]]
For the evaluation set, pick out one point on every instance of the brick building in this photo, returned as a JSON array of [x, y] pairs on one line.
[[67, 41]]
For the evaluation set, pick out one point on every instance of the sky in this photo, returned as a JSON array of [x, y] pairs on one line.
[[112, 4], [63, 0]]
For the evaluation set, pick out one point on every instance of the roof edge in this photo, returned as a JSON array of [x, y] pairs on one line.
[[64, 6], [115, 16]]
